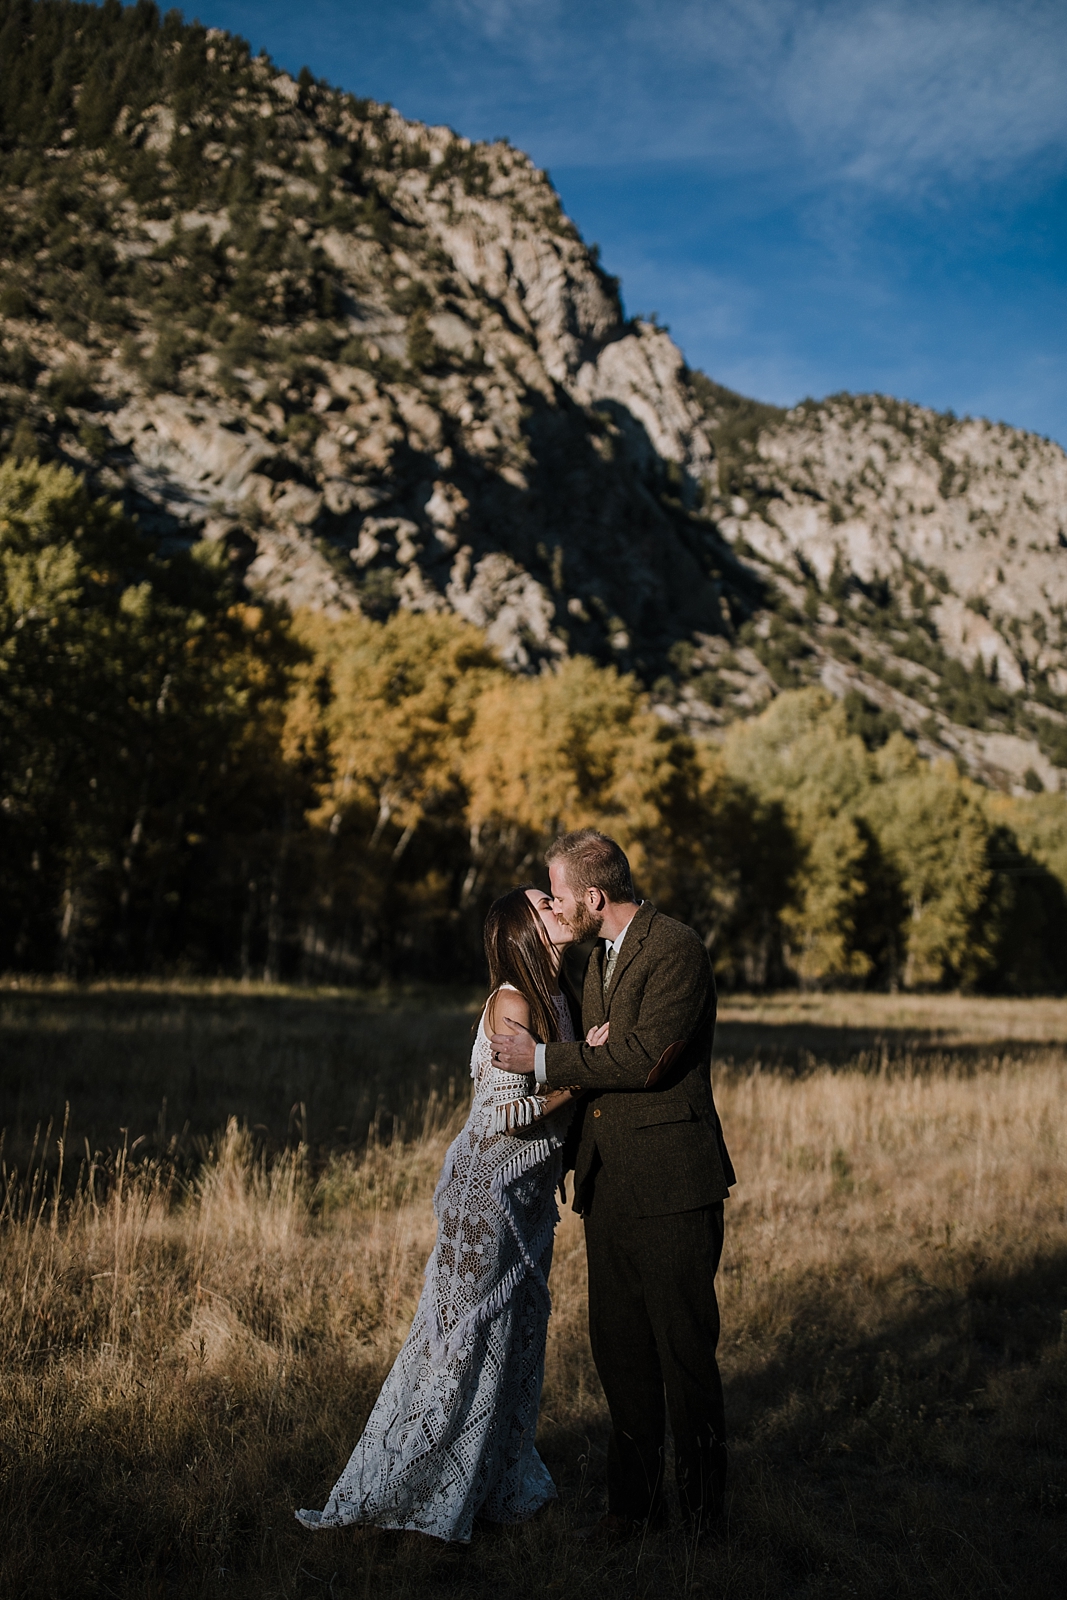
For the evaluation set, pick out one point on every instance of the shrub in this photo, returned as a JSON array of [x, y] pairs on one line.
[[422, 352], [18, 365], [71, 385]]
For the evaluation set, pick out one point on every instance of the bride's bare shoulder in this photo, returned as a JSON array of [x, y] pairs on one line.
[[504, 1006]]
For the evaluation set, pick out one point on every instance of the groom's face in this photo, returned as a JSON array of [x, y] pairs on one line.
[[581, 913]]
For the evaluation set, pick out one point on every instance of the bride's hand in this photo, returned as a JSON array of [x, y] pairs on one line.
[[599, 1035]]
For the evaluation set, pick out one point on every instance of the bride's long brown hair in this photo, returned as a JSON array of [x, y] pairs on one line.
[[516, 951]]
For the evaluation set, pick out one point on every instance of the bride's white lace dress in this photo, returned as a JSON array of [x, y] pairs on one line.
[[451, 1436]]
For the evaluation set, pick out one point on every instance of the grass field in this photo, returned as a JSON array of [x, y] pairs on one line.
[[194, 1322]]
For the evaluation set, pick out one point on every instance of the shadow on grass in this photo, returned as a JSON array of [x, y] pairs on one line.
[[924, 1457], [170, 1067], [897, 1437], [795, 1047], [920, 1449]]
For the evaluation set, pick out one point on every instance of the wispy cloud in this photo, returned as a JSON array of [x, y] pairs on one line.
[[899, 92], [885, 93], [503, 21]]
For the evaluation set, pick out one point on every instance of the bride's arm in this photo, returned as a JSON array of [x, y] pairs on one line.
[[508, 1012]]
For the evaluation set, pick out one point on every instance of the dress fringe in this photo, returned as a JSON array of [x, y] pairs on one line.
[[517, 1114]]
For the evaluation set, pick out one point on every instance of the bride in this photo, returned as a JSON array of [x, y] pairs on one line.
[[451, 1435]]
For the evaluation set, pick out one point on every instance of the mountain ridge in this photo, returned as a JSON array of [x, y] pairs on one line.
[[375, 363]]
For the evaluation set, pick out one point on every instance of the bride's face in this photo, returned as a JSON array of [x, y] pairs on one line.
[[556, 930]]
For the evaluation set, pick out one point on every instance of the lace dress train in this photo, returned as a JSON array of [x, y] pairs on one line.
[[451, 1435]]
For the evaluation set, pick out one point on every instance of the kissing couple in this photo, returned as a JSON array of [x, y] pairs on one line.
[[614, 1060]]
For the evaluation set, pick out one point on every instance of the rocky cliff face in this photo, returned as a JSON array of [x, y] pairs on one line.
[[378, 366], [927, 558], [413, 385]]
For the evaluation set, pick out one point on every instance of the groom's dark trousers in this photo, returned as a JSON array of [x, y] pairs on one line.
[[651, 1171]]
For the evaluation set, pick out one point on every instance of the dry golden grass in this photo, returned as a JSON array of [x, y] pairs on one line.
[[188, 1348], [957, 1018]]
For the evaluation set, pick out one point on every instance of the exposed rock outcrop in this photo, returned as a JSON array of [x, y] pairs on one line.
[[377, 363]]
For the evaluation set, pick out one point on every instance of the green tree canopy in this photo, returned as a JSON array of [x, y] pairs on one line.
[[189, 779], [140, 705]]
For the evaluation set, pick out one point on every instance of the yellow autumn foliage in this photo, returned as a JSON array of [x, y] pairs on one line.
[[189, 779], [570, 749], [391, 704], [796, 851]]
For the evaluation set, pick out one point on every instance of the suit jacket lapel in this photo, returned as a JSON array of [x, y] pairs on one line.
[[635, 937]]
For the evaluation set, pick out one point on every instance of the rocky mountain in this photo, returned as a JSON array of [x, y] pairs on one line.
[[922, 559], [376, 365]]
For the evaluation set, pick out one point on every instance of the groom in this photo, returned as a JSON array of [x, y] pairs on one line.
[[651, 1173]]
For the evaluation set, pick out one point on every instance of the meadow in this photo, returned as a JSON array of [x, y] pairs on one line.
[[199, 1299]]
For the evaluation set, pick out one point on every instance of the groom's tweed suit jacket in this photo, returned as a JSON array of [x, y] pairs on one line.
[[648, 1116]]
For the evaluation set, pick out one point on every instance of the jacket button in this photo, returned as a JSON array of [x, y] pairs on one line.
[[596, 1113]]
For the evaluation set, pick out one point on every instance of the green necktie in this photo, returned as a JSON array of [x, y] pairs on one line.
[[609, 965]]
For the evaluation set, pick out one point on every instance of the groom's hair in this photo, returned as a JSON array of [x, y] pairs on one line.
[[593, 861]]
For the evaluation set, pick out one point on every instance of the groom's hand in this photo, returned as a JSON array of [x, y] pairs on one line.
[[513, 1052]]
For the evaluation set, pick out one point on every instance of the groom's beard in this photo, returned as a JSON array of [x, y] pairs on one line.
[[584, 924]]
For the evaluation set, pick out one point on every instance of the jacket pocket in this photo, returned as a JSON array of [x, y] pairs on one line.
[[663, 1110]]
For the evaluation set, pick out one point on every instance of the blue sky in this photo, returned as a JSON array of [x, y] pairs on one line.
[[856, 194]]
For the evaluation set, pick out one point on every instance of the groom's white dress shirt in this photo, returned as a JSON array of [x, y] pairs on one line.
[[611, 954]]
